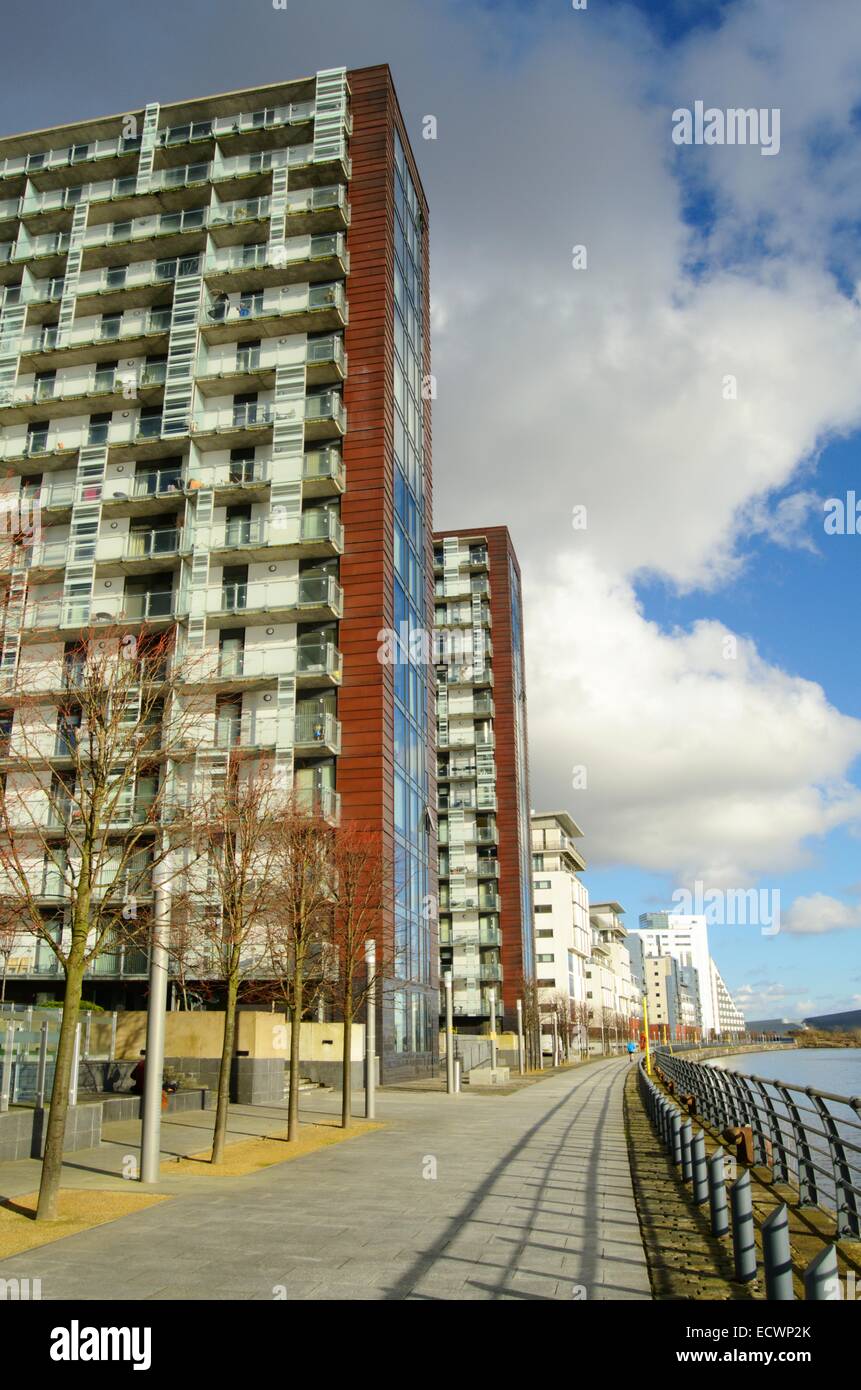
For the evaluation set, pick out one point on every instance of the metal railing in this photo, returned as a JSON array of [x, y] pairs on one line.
[[807, 1137]]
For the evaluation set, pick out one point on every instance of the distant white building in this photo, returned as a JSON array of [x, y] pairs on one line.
[[686, 940], [614, 997]]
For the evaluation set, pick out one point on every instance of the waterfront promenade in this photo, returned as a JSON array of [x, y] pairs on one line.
[[523, 1196]]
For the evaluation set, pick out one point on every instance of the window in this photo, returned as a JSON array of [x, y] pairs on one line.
[[543, 907], [545, 931], [543, 883], [545, 960]]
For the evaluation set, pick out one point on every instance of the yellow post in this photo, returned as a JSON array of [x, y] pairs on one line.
[[646, 1032]]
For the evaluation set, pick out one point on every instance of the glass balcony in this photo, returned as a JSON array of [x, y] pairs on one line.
[[143, 545], [314, 730], [267, 118], [295, 250], [275, 303], [132, 325], [241, 210], [318, 592], [185, 134], [246, 731], [323, 465], [324, 802], [43, 160], [148, 607]]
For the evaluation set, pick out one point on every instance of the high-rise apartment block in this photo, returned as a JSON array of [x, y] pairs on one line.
[[686, 939], [214, 333], [485, 907]]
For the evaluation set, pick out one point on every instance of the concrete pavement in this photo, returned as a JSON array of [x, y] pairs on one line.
[[525, 1196]]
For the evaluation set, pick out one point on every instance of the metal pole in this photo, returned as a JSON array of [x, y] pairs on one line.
[[491, 994], [821, 1277], [743, 1239], [646, 1035], [88, 1024], [449, 1035], [6, 1072], [371, 1032], [42, 1066], [113, 1045], [555, 1039], [457, 1076], [776, 1257], [701, 1175], [521, 1048], [76, 1062], [155, 1028], [717, 1194]]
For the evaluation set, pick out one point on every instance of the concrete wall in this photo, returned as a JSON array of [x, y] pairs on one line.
[[200, 1033]]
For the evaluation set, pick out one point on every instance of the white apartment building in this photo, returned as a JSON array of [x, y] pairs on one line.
[[685, 938], [614, 998], [563, 935]]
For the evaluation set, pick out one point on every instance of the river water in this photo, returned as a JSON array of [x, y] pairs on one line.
[[833, 1069]]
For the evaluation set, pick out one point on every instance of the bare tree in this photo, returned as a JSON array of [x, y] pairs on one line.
[[87, 814], [299, 929], [532, 1028], [235, 917], [10, 931], [360, 891]]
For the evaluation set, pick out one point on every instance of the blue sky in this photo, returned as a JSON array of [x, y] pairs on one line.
[[603, 388]]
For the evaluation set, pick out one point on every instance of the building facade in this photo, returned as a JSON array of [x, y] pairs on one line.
[[214, 334], [612, 994], [563, 936], [485, 879], [686, 939]]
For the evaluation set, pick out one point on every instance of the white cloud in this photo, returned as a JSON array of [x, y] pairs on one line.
[[819, 913], [699, 763]]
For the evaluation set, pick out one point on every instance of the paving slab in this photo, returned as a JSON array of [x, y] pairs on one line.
[[519, 1196]]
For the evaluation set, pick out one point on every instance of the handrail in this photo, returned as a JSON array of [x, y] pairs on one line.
[[796, 1130]]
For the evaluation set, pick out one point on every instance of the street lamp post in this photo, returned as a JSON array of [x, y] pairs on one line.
[[449, 1035], [371, 1032], [155, 1026]]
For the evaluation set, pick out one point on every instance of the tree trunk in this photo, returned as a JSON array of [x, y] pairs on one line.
[[52, 1163], [347, 1063], [295, 1059], [219, 1135]]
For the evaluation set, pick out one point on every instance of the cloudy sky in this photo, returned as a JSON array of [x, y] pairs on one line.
[[659, 416]]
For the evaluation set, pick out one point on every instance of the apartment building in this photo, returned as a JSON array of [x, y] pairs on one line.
[[485, 879], [563, 936], [214, 331], [612, 995], [686, 939]]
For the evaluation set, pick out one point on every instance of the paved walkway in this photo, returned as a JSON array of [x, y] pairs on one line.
[[460, 1197]]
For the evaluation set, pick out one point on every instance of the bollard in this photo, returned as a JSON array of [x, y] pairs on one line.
[[687, 1166], [821, 1277], [776, 1257], [743, 1240], [456, 1076], [700, 1169], [717, 1194], [676, 1129]]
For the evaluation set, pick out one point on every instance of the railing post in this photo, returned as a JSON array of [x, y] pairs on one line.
[[743, 1239], [845, 1196], [718, 1207], [821, 1277], [807, 1180], [76, 1059], [776, 1256], [42, 1067], [700, 1170], [6, 1070]]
